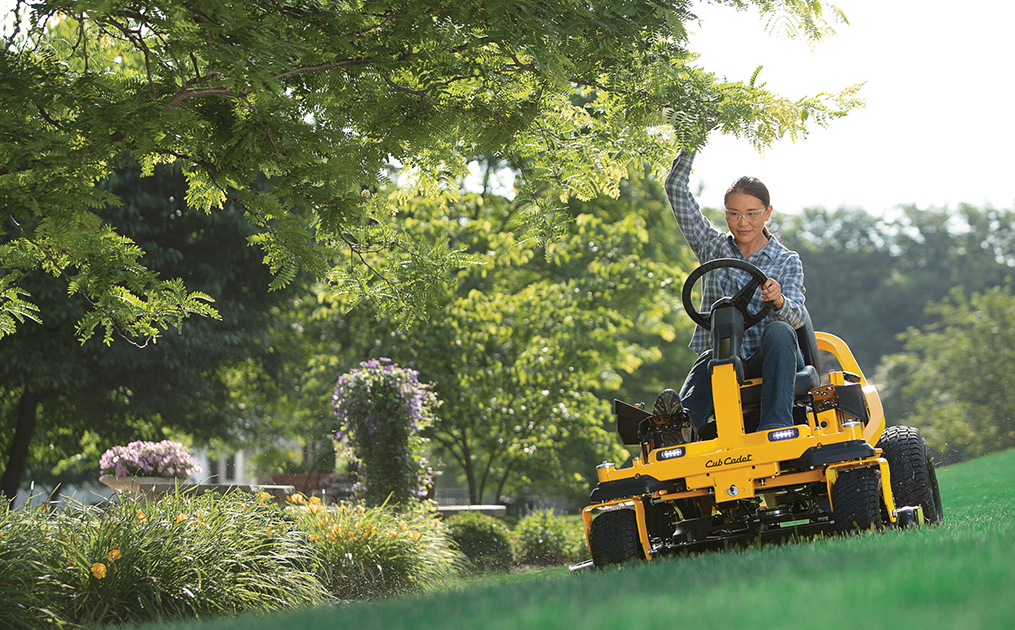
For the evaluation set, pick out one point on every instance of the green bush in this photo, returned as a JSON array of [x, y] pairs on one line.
[[370, 552], [544, 539], [27, 591], [139, 561], [485, 540], [182, 557]]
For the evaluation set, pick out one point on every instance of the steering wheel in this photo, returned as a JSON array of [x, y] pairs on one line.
[[741, 301]]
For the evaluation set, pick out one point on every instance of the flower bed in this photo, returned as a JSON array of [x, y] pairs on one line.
[[140, 560]]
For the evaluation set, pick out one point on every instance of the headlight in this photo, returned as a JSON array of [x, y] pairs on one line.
[[783, 434], [670, 453]]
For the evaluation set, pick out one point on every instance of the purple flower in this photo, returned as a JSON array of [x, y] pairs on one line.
[[381, 408]]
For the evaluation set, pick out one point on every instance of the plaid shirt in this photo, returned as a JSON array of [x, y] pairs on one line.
[[708, 243]]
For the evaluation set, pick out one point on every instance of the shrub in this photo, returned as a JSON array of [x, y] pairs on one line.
[[381, 410], [139, 561], [376, 551], [544, 539], [484, 540], [183, 556], [27, 591]]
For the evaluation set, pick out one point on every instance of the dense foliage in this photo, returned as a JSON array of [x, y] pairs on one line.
[[869, 278], [373, 552], [320, 99], [953, 378], [139, 561], [65, 402], [485, 540], [541, 538], [184, 557], [382, 409]]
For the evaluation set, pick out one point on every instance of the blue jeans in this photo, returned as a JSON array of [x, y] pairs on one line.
[[777, 361]]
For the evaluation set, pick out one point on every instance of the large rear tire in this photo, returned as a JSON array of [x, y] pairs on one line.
[[856, 500], [914, 481], [613, 538]]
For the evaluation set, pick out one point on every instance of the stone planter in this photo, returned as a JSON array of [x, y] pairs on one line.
[[157, 487]]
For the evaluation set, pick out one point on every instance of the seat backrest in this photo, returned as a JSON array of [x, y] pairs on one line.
[[808, 342]]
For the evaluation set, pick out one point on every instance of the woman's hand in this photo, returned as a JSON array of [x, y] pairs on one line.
[[772, 292]]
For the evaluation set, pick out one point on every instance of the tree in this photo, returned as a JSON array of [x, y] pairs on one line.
[[527, 345], [870, 278], [320, 99], [953, 379], [67, 401]]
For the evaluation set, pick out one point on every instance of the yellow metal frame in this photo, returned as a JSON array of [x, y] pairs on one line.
[[639, 514], [833, 470], [739, 465]]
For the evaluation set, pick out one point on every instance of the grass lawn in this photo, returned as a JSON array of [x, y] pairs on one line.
[[960, 574]]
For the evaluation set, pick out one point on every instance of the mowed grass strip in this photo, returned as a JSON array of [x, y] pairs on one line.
[[957, 575]]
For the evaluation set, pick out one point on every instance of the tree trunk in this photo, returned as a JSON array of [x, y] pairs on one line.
[[470, 471], [503, 480], [17, 457]]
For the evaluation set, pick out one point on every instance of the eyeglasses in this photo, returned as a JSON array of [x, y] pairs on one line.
[[752, 216]]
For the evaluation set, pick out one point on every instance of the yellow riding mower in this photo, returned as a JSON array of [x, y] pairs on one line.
[[838, 468]]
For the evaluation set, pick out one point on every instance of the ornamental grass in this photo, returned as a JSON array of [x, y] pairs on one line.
[[136, 560], [180, 557], [378, 551], [28, 592]]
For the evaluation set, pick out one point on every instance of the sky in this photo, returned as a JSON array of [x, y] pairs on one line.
[[937, 129]]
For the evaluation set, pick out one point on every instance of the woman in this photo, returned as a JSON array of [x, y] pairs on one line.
[[770, 349]]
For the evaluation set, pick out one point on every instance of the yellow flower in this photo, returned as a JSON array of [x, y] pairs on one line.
[[314, 537], [141, 517], [314, 508], [99, 570], [199, 515], [402, 525], [296, 498], [415, 535], [265, 496], [315, 500], [181, 517], [437, 522], [113, 555], [332, 536]]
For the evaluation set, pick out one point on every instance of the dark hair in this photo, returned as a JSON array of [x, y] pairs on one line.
[[749, 186], [754, 187]]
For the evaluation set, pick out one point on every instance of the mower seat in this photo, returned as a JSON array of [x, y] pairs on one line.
[[806, 379]]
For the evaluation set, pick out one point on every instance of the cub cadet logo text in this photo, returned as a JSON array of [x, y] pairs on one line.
[[715, 463]]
